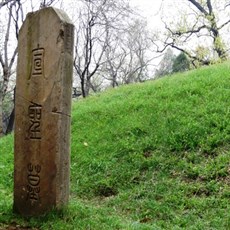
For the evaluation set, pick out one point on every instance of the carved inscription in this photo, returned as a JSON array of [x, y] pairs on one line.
[[38, 62], [33, 179], [69, 38], [35, 115]]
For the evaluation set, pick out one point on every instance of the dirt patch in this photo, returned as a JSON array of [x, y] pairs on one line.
[[15, 226]]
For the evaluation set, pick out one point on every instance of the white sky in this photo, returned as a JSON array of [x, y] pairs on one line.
[[150, 10], [148, 7]]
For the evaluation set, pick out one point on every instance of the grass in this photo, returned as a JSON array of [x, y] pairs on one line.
[[154, 155]]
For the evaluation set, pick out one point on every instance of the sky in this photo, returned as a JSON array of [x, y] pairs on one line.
[[150, 10]]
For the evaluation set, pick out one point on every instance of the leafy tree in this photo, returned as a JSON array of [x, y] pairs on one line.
[[166, 64], [197, 23], [181, 63]]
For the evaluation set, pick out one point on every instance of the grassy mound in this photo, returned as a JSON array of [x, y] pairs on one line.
[[154, 155]]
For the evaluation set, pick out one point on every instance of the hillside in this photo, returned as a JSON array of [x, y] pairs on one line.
[[154, 155]]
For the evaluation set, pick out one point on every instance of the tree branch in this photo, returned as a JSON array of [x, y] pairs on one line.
[[224, 24], [5, 3], [209, 4], [198, 6]]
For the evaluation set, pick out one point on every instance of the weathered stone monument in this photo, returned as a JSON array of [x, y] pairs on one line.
[[42, 116]]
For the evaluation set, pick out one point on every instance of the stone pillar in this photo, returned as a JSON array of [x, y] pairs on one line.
[[43, 112]]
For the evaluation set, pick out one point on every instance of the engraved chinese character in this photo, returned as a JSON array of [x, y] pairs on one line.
[[33, 179], [38, 62], [33, 193], [35, 114]]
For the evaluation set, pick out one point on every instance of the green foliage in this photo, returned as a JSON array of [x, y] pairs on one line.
[[220, 48], [181, 63], [152, 155], [202, 53], [166, 64]]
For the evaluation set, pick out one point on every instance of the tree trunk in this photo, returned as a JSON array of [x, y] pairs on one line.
[[87, 87], [218, 43], [10, 125], [1, 117], [83, 86]]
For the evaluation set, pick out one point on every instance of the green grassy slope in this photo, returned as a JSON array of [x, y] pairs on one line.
[[154, 155]]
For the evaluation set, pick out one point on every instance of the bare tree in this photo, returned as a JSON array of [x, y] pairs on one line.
[[138, 44], [115, 57], [90, 45], [12, 9], [200, 23], [98, 20], [128, 56]]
